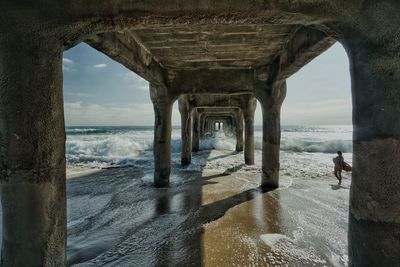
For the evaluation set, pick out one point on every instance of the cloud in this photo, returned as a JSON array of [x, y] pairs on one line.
[[77, 94], [66, 64], [100, 66], [73, 105], [67, 61]]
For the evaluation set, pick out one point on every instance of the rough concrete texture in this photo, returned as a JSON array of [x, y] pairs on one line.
[[186, 131], [213, 122], [32, 154], [162, 104], [248, 114], [271, 98], [375, 70], [195, 131], [373, 243], [229, 104], [239, 130], [204, 113], [374, 199]]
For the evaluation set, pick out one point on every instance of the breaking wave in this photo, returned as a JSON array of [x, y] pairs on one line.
[[106, 149], [218, 143], [330, 146], [105, 146]]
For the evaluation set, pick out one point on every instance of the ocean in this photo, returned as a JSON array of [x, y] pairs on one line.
[[302, 147]]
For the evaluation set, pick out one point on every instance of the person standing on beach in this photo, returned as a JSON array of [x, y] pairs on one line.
[[339, 164]]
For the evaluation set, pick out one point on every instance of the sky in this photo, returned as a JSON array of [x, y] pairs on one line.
[[101, 92]]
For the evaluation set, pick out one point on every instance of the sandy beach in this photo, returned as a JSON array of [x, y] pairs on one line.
[[213, 216]]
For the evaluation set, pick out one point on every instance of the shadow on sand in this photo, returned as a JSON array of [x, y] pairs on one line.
[[337, 187], [114, 219]]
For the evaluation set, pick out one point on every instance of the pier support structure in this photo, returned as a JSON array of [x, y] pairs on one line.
[[249, 108], [32, 138], [374, 224], [32, 152], [239, 129], [162, 104], [220, 103], [186, 130], [271, 95], [195, 131]]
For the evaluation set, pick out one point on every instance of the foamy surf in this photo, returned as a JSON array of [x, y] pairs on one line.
[[271, 239], [101, 147], [117, 218], [174, 180]]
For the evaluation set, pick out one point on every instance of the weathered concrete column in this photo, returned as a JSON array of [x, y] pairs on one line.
[[239, 130], [32, 145], [204, 126], [186, 131], [201, 125], [196, 131], [374, 225], [248, 115], [271, 96], [210, 127], [162, 103]]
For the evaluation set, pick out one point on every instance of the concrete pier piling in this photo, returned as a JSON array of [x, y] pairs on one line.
[[32, 158], [248, 114], [162, 104], [271, 101], [186, 131], [239, 129]]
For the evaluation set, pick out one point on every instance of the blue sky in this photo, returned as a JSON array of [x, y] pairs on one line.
[[100, 91]]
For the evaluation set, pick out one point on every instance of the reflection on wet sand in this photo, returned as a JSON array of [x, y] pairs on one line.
[[235, 239], [207, 219]]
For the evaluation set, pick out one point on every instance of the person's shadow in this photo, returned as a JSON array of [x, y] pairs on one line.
[[337, 187]]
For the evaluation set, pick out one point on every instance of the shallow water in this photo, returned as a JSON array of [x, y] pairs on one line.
[[214, 214]]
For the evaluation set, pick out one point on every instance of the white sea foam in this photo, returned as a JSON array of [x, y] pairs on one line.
[[271, 239], [174, 180], [218, 143], [104, 150], [96, 147]]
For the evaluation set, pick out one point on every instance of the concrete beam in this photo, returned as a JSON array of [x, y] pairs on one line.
[[212, 81], [220, 101], [204, 113], [112, 13], [227, 120], [305, 45], [126, 49], [217, 110]]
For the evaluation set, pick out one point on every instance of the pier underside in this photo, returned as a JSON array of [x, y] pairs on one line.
[[188, 48]]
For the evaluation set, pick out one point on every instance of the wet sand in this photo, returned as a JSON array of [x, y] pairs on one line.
[[206, 218]]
